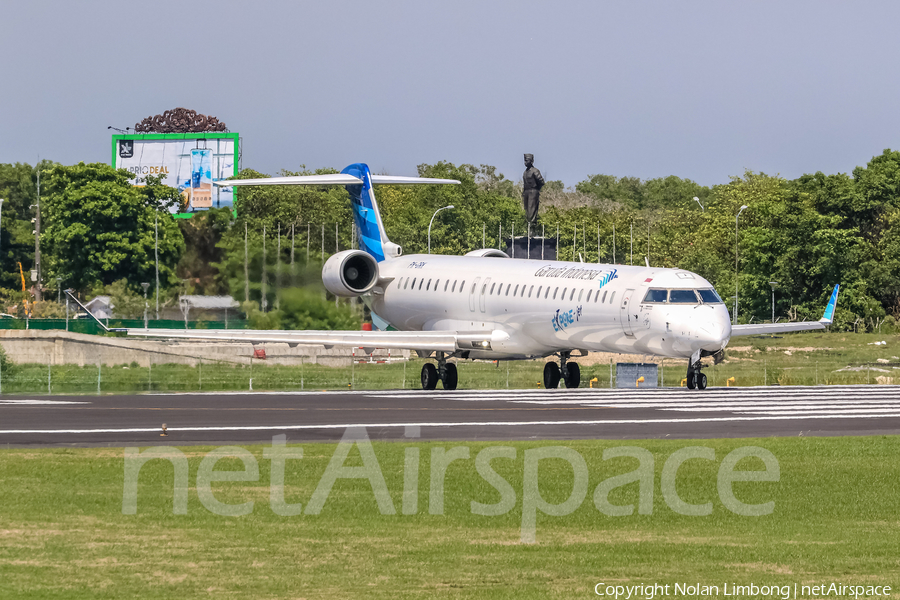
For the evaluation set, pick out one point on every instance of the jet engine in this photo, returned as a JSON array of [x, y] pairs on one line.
[[350, 273]]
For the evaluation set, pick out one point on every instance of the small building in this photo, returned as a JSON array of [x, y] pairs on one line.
[[211, 308], [101, 307]]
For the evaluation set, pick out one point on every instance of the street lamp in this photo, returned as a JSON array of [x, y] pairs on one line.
[[738, 216], [146, 304], [774, 284], [432, 221], [697, 200]]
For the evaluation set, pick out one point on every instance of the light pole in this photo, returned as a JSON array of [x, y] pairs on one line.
[[146, 304], [432, 221], [738, 216], [774, 284], [697, 200], [59, 290], [1, 207]]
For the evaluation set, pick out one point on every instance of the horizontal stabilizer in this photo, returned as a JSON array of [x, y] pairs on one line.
[[397, 180], [334, 179], [331, 179]]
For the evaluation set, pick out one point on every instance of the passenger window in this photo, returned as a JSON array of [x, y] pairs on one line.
[[563, 297], [572, 295], [421, 281], [523, 290], [414, 283], [612, 297], [540, 287], [492, 288], [547, 292], [516, 291], [682, 297], [582, 292], [428, 287], [531, 289], [483, 289], [454, 286], [554, 293], [604, 296], [508, 285], [446, 283], [658, 296], [463, 284]]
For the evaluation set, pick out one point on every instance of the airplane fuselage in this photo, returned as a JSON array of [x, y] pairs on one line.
[[535, 308]]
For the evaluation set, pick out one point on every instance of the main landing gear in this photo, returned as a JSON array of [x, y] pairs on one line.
[[445, 371], [695, 379], [569, 372]]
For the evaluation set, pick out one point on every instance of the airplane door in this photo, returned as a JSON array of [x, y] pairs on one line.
[[625, 313], [483, 293], [475, 288]]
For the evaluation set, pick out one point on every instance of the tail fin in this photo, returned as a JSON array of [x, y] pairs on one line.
[[358, 181], [372, 237], [828, 317]]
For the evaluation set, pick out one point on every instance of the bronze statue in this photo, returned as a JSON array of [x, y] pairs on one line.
[[531, 189]]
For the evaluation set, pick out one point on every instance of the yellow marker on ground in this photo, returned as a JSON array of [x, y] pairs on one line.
[[729, 381], [638, 383]]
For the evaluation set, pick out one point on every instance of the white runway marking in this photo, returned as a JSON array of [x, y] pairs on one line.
[[38, 402], [450, 424]]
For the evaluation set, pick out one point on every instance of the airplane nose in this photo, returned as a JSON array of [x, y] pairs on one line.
[[714, 334]]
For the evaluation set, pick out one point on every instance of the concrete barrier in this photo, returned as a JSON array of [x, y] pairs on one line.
[[67, 348]]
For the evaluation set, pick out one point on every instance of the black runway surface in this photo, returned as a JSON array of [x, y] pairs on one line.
[[239, 417]]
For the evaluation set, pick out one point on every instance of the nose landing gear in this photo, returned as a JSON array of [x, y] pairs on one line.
[[695, 378], [569, 372]]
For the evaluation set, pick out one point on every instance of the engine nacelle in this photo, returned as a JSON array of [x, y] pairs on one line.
[[350, 273]]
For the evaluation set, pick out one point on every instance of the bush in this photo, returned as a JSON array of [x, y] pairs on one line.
[[6, 365]]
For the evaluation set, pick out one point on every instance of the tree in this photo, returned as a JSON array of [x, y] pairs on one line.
[[99, 228]]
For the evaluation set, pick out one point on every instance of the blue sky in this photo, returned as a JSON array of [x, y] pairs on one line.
[[702, 90]]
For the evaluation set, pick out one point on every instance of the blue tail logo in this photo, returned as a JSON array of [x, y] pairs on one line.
[[828, 317], [372, 238]]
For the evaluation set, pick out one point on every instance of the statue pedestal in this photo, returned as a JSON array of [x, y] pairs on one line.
[[540, 248]]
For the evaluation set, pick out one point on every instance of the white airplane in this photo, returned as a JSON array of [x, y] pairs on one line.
[[485, 305]]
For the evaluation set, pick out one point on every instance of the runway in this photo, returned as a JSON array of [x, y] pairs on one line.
[[241, 417]]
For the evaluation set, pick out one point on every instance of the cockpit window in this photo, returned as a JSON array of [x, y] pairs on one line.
[[682, 297], [655, 296], [709, 296]]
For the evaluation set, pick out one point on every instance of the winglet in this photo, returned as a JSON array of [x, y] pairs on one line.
[[828, 317], [99, 322]]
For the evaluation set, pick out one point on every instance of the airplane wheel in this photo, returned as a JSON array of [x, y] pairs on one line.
[[551, 376], [574, 378], [692, 380], [701, 381], [451, 377], [429, 377]]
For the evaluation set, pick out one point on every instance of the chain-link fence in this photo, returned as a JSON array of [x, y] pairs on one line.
[[205, 375]]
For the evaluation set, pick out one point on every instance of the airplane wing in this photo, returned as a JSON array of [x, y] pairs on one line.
[[769, 328], [442, 341]]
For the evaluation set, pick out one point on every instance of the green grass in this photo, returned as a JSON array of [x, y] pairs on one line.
[[63, 534], [750, 361]]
